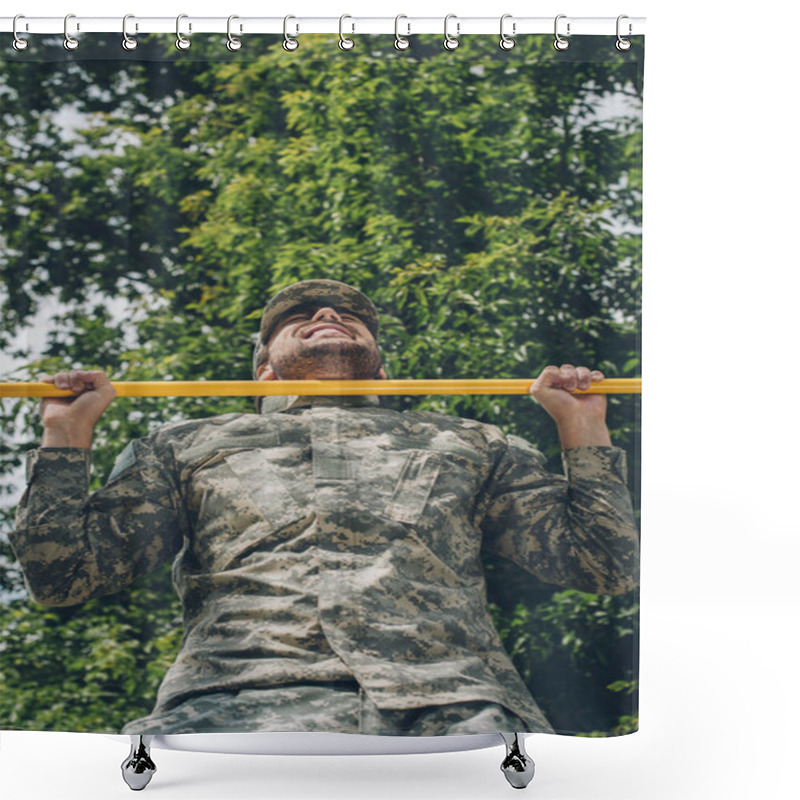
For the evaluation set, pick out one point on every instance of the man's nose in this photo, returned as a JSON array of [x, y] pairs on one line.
[[326, 313]]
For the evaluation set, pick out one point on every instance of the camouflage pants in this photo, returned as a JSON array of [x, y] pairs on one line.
[[332, 708]]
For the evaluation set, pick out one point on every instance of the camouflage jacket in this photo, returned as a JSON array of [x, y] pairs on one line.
[[328, 539]]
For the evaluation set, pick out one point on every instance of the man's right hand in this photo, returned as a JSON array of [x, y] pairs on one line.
[[70, 421]]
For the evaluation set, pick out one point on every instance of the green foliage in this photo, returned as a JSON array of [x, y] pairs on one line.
[[91, 668], [489, 202], [577, 653]]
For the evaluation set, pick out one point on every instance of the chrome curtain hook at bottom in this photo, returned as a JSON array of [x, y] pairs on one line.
[[507, 42], [18, 43], [290, 43], [181, 42], [233, 44], [401, 42], [560, 42], [451, 42], [138, 768], [70, 42], [345, 42], [623, 44], [517, 766], [128, 42]]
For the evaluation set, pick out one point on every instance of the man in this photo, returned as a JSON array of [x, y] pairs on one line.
[[327, 550]]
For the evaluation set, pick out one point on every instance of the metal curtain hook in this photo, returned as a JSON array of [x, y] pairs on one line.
[[623, 44], [290, 43], [181, 42], [345, 42], [128, 42], [450, 42], [233, 44], [560, 42], [401, 42], [506, 42], [18, 43], [70, 42]]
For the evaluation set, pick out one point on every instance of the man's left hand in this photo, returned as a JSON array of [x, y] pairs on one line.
[[581, 418]]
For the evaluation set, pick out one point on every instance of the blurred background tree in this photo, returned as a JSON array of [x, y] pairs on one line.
[[150, 202]]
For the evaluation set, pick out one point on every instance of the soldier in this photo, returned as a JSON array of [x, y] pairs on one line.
[[326, 549]]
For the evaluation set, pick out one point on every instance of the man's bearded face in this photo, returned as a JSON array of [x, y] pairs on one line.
[[322, 343]]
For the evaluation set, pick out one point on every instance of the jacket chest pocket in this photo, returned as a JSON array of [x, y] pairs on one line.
[[253, 485], [271, 480], [399, 484]]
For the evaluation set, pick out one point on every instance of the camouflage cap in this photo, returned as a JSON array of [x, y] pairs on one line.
[[323, 292]]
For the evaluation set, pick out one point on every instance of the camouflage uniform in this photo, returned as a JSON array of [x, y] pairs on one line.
[[329, 542]]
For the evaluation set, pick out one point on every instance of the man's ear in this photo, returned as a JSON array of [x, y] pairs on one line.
[[382, 374], [266, 373]]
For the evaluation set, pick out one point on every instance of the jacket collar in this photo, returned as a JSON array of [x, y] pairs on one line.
[[273, 404]]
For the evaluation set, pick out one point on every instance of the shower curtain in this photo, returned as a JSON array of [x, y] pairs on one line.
[[471, 575]]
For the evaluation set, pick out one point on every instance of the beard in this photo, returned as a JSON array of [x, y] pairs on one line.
[[336, 359]]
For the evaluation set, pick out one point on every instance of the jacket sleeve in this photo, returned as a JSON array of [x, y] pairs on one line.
[[576, 530], [73, 545]]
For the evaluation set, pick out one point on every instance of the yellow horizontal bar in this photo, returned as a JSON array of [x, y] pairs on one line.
[[264, 388]]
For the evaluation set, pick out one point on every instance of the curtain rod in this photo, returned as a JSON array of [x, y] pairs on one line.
[[456, 26]]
